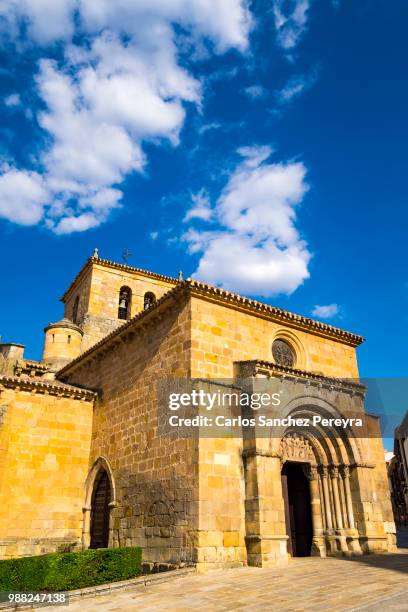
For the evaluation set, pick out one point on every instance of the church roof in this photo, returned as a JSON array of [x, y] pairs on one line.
[[229, 300]]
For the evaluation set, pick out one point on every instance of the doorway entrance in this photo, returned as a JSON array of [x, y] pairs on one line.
[[298, 515], [101, 497]]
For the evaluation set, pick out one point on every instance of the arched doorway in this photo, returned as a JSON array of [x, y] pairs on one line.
[[101, 497], [298, 514]]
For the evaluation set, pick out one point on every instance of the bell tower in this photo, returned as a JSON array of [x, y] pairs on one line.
[[105, 294]]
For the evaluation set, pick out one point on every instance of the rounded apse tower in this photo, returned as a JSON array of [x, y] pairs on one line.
[[62, 343]]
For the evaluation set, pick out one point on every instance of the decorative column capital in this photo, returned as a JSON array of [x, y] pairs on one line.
[[345, 471], [323, 470], [334, 471]]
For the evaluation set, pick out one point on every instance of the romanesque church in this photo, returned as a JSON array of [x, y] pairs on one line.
[[83, 463]]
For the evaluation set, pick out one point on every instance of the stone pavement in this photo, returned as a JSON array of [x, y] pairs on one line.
[[372, 582]]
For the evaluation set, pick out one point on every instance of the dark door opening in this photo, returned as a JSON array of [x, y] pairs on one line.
[[100, 511], [298, 515]]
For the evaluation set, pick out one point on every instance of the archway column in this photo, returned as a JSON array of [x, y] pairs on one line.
[[345, 472], [326, 497], [318, 544], [334, 475], [352, 533], [340, 534]]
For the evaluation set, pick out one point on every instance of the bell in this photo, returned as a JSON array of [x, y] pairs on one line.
[[122, 303]]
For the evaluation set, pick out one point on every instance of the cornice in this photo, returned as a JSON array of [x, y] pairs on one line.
[[268, 368], [49, 387]]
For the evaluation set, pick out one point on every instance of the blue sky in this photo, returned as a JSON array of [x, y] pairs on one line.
[[260, 147]]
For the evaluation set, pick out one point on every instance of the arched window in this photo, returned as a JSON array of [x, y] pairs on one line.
[[101, 497], [149, 299], [75, 310], [125, 298]]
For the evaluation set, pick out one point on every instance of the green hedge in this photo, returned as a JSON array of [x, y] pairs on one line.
[[65, 571]]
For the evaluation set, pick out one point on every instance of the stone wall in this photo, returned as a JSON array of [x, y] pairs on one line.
[[155, 478], [44, 452], [222, 335]]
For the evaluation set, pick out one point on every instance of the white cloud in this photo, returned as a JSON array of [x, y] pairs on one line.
[[255, 155], [22, 196], [154, 235], [255, 92], [326, 312], [258, 249], [67, 225], [125, 86], [13, 100], [207, 127], [290, 21], [201, 208], [295, 86]]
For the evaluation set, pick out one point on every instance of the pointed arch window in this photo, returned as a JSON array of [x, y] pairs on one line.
[[125, 299], [75, 310], [149, 299]]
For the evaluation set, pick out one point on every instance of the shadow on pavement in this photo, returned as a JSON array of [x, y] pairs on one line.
[[397, 562]]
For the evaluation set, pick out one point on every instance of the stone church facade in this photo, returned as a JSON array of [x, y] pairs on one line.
[[83, 462]]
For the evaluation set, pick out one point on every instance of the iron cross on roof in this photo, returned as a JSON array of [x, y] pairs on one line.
[[126, 254]]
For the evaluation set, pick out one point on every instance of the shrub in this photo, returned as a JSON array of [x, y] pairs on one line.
[[65, 571]]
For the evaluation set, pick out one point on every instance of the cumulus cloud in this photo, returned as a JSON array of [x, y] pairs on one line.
[[125, 85], [23, 196], [326, 312], [290, 21], [258, 249]]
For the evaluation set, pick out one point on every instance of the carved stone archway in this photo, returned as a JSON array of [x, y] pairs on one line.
[[334, 528]]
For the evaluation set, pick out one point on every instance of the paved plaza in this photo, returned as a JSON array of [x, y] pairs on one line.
[[373, 582]]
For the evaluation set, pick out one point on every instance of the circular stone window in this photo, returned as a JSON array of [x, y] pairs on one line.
[[283, 353]]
